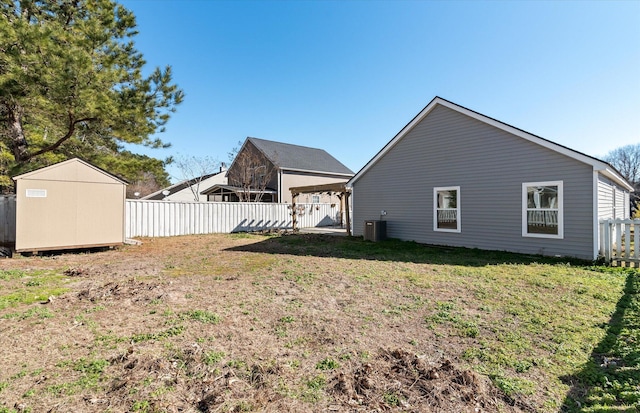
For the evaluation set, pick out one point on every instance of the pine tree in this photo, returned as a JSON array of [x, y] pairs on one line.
[[72, 84]]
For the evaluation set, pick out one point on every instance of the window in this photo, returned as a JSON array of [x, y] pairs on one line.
[[542, 209], [446, 208], [315, 199]]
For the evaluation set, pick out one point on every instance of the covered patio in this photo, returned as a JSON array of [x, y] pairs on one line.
[[339, 189], [229, 193]]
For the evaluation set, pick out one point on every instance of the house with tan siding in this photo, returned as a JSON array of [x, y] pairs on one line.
[[282, 166], [455, 177]]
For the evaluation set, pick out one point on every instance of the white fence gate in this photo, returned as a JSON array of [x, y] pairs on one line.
[[620, 241], [7, 219], [168, 218]]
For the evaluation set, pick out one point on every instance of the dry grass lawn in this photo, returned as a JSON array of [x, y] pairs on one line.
[[296, 323]]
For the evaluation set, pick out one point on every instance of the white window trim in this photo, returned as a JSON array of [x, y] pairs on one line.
[[560, 234], [435, 208]]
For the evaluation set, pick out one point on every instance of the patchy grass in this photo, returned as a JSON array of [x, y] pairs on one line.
[[610, 380], [311, 323], [29, 286]]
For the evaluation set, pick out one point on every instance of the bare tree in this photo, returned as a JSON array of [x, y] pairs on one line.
[[251, 172], [234, 152], [626, 160], [195, 169], [143, 186]]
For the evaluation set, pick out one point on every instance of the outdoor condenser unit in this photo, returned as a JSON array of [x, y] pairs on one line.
[[375, 230]]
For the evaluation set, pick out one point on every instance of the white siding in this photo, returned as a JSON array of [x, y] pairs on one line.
[[613, 200], [605, 198]]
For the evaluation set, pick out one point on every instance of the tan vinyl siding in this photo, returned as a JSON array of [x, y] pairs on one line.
[[450, 149], [292, 179]]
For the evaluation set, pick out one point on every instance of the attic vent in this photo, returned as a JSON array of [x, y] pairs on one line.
[[36, 193]]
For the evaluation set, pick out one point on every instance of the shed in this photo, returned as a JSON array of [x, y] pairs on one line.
[[71, 204], [455, 177]]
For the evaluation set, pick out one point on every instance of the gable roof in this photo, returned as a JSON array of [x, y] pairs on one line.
[[61, 171], [158, 195], [598, 165], [299, 158]]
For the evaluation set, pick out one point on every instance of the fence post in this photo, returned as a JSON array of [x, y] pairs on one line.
[[609, 243], [636, 239], [618, 230], [626, 227]]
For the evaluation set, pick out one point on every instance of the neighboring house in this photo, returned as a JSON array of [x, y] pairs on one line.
[[455, 177], [275, 167], [186, 190]]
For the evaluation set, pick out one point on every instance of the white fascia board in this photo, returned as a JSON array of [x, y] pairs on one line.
[[607, 171]]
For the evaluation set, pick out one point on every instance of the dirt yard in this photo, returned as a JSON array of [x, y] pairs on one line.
[[233, 323]]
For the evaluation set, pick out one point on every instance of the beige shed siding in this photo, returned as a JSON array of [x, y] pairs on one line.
[[450, 149], [294, 179], [71, 216], [77, 205]]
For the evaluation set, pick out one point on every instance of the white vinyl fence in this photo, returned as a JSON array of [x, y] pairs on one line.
[[167, 218], [620, 241], [7, 219]]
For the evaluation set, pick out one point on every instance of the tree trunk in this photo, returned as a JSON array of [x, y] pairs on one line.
[[16, 133]]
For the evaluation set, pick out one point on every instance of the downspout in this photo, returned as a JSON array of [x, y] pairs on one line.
[[280, 186], [294, 217], [346, 206], [596, 217]]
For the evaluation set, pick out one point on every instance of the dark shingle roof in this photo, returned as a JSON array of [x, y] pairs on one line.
[[287, 156]]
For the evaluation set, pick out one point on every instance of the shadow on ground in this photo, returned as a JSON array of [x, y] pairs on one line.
[[610, 380], [389, 250]]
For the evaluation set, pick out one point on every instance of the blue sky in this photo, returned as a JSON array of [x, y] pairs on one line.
[[346, 76]]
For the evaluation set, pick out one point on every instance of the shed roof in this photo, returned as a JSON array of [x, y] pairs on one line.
[[299, 158], [74, 169], [598, 165]]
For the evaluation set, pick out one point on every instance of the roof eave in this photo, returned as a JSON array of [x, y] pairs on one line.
[[70, 160], [614, 176], [594, 162], [341, 174]]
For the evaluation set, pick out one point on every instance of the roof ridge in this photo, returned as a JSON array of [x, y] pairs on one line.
[[252, 138]]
